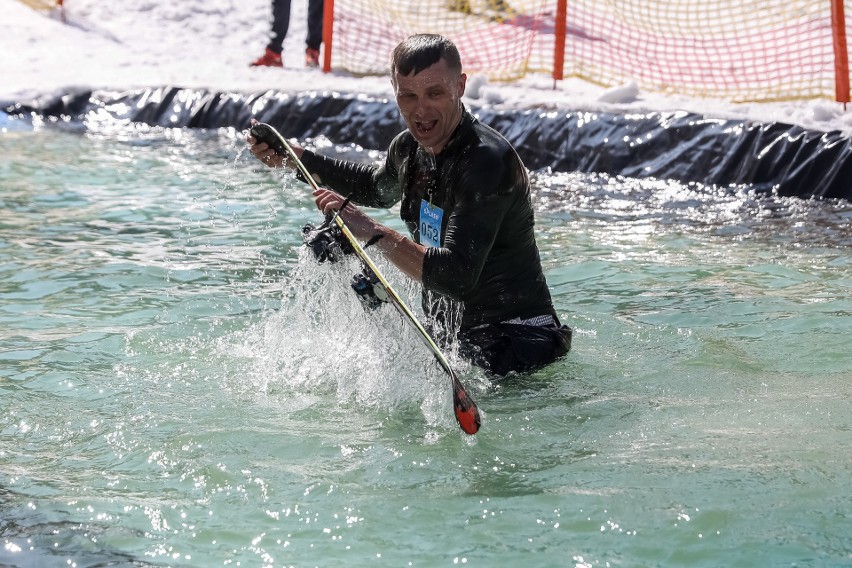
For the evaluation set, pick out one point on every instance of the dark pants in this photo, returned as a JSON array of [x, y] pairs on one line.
[[281, 23], [501, 348]]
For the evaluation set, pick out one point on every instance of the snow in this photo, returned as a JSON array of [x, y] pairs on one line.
[[209, 43]]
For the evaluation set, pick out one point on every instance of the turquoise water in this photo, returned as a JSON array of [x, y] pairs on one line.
[[181, 386]]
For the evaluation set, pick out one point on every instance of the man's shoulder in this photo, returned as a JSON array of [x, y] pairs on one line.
[[401, 145], [487, 146], [481, 135]]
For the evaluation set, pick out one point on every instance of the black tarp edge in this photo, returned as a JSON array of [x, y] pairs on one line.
[[782, 158]]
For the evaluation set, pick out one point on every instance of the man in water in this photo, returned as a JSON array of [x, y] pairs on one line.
[[465, 197]]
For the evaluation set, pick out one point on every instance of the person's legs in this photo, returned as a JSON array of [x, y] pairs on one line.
[[280, 25], [314, 38], [315, 13], [503, 348]]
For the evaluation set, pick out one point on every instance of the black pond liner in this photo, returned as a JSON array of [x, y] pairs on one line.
[[777, 158]]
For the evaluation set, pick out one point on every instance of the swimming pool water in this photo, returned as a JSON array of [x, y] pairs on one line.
[[181, 385]]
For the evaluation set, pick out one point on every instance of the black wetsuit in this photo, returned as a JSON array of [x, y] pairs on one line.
[[486, 256]]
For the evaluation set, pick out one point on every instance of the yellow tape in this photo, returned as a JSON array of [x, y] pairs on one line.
[[41, 4]]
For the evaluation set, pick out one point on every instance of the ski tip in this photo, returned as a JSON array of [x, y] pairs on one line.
[[467, 414], [468, 420]]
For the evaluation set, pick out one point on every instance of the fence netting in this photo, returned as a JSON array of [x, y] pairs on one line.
[[738, 50]]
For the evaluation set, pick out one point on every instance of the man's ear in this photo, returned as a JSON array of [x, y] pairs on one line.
[[462, 83]]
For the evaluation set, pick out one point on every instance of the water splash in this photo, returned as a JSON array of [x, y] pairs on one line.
[[322, 341]]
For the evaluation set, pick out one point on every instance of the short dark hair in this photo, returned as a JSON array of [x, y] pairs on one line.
[[420, 51]]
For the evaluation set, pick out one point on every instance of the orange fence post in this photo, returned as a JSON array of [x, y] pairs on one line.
[[327, 33], [560, 31], [841, 54]]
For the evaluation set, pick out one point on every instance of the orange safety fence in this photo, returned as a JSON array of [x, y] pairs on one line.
[[737, 50]]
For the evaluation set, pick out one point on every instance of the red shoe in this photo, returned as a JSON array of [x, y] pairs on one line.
[[268, 59], [312, 58]]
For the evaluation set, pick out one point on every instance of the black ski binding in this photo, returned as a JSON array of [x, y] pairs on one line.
[[370, 291], [326, 241], [328, 244]]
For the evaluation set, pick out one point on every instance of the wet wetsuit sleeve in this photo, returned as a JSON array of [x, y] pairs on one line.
[[483, 198], [365, 184]]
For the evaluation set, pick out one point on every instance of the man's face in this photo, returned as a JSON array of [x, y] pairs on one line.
[[430, 103]]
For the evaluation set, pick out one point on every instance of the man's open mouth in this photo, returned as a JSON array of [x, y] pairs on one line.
[[426, 127]]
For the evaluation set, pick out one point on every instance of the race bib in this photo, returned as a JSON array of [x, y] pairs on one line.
[[430, 224]]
